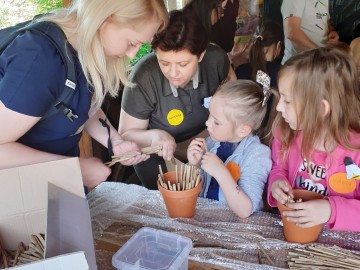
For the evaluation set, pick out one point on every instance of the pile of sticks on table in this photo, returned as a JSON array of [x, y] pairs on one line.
[[23, 254], [321, 258], [187, 177], [146, 150]]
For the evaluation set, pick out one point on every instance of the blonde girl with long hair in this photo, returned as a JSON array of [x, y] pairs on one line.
[[101, 36], [317, 139]]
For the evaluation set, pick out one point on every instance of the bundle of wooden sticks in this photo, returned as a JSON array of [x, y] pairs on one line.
[[23, 254], [146, 150], [320, 257], [187, 177]]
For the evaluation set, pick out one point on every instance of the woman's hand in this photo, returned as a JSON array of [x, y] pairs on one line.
[[122, 147], [308, 214], [281, 190], [161, 137], [93, 171], [195, 151]]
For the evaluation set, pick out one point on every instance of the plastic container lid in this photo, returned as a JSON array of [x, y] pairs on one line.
[[153, 249]]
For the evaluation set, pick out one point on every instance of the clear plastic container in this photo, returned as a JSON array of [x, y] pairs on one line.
[[153, 249]]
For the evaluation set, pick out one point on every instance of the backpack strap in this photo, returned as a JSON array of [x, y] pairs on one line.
[[57, 37]]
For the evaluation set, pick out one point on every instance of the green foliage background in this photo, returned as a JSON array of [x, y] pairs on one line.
[[47, 5]]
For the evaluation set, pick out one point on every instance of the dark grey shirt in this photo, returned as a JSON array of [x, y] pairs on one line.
[[152, 98]]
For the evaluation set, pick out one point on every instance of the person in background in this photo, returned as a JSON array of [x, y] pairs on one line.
[[209, 12], [317, 139], [345, 18], [167, 103], [306, 26], [101, 36], [223, 32], [355, 52], [264, 54], [236, 167]]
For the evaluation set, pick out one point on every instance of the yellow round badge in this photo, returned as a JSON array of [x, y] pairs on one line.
[[175, 117]]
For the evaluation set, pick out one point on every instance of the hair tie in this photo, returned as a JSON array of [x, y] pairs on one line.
[[259, 36], [264, 79]]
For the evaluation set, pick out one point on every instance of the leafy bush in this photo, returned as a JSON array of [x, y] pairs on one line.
[[44, 6], [144, 50]]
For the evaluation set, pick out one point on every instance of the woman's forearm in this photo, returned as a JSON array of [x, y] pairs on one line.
[[15, 154], [98, 132], [141, 137]]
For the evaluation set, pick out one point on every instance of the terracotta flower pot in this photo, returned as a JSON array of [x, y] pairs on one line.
[[294, 233], [179, 203]]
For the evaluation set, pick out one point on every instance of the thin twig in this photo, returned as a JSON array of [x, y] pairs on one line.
[[126, 156]]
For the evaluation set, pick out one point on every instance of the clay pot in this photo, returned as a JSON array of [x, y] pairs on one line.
[[179, 203], [294, 233]]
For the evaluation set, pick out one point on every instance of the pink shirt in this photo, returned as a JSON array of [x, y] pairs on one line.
[[343, 194]]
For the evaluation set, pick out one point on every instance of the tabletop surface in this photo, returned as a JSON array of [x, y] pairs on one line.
[[221, 240]]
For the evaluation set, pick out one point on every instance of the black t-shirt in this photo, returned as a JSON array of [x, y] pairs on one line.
[[183, 116]]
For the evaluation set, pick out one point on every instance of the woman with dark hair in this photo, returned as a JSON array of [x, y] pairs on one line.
[[208, 12], [223, 32], [167, 103], [265, 53]]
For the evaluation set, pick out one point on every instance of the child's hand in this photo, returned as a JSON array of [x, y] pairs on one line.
[[308, 214], [195, 151], [281, 190], [213, 165]]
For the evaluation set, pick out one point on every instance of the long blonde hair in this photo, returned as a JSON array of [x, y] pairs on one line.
[[321, 74], [103, 74]]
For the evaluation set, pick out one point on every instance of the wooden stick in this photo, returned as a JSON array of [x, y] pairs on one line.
[[5, 258], [197, 180], [161, 173], [176, 174], [126, 156], [321, 257], [266, 255], [205, 146], [162, 182], [169, 184]]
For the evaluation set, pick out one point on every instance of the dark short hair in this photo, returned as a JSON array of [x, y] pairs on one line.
[[183, 32]]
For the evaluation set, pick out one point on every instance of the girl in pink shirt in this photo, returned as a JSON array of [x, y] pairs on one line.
[[316, 144]]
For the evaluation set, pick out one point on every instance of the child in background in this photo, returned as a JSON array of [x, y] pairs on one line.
[[265, 53], [317, 139], [236, 167]]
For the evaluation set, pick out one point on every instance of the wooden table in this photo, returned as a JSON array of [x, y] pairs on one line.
[[220, 239]]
